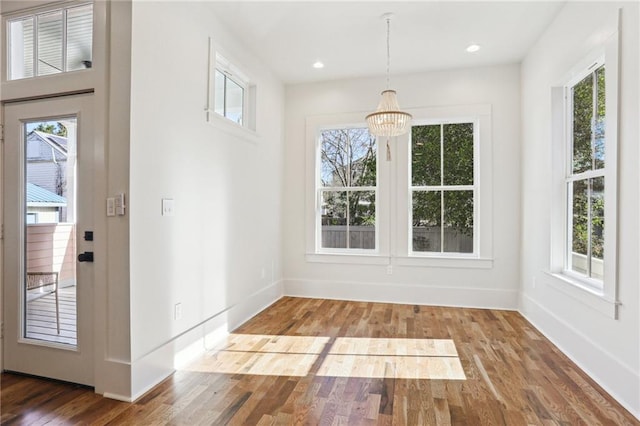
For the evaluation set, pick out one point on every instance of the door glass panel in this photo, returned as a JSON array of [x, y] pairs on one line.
[[50, 231]]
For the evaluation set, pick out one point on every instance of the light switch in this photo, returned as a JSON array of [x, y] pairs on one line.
[[120, 207], [167, 207], [111, 206]]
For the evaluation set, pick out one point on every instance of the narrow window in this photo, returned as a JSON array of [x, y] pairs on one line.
[[229, 97], [50, 42], [443, 189], [586, 178], [346, 190]]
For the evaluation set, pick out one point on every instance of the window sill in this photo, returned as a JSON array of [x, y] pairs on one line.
[[583, 293], [377, 259], [229, 127], [446, 262], [349, 258]]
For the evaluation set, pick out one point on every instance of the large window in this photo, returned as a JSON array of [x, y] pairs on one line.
[[584, 142], [442, 188], [50, 42], [586, 176], [429, 204], [346, 189]]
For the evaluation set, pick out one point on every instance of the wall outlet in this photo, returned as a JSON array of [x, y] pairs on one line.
[[177, 311], [389, 269]]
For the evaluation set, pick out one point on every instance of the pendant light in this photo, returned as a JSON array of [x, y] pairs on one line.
[[388, 120]]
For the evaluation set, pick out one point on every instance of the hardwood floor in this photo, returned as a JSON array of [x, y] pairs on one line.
[[311, 361]]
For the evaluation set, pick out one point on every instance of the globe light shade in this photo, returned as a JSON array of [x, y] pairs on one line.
[[388, 120]]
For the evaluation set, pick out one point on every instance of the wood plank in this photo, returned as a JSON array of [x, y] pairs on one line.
[[512, 374]]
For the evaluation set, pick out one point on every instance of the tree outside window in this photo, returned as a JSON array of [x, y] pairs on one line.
[[585, 182], [442, 188], [347, 188]]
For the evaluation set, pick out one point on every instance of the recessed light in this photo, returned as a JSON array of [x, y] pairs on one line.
[[473, 48], [318, 65]]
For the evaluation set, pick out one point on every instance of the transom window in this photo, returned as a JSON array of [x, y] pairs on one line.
[[442, 188], [586, 178], [346, 189], [51, 42]]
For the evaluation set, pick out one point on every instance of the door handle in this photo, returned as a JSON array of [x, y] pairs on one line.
[[87, 256]]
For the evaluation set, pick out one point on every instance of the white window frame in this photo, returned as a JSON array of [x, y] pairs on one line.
[[224, 69], [319, 189], [442, 188], [35, 14], [222, 62], [482, 256], [570, 177], [313, 214], [392, 195], [600, 295]]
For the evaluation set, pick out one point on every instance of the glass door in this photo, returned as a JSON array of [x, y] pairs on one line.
[[48, 221]]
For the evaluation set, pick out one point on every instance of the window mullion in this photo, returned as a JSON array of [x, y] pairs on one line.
[[442, 186], [64, 40], [224, 97], [589, 227], [36, 63], [594, 116]]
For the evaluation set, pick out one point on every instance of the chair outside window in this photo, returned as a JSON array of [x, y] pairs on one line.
[[37, 280]]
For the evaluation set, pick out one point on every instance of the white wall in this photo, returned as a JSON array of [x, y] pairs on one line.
[[222, 248], [606, 348], [497, 86]]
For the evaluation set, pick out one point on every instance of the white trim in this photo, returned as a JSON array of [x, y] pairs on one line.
[[119, 397], [588, 355], [442, 188], [393, 187], [313, 191], [151, 368], [445, 261], [585, 294], [352, 258], [585, 289], [220, 60], [231, 128], [481, 116], [405, 293]]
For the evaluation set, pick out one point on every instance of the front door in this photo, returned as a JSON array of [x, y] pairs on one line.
[[48, 219]]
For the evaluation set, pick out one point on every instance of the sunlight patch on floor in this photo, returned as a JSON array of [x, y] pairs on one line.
[[271, 355]]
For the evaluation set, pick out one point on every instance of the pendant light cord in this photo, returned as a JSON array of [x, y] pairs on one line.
[[388, 50]]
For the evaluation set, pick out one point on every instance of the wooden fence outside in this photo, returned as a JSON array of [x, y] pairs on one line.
[[425, 239]]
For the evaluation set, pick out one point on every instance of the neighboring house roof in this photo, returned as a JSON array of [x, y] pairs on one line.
[[58, 143], [40, 197]]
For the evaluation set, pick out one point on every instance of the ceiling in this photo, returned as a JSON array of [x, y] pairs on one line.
[[350, 37]]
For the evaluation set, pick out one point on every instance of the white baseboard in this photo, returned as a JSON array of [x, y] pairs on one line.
[[154, 367], [404, 293], [617, 379]]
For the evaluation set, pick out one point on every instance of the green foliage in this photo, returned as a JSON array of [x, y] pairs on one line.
[[348, 160], [589, 120], [442, 155], [53, 129], [582, 231]]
